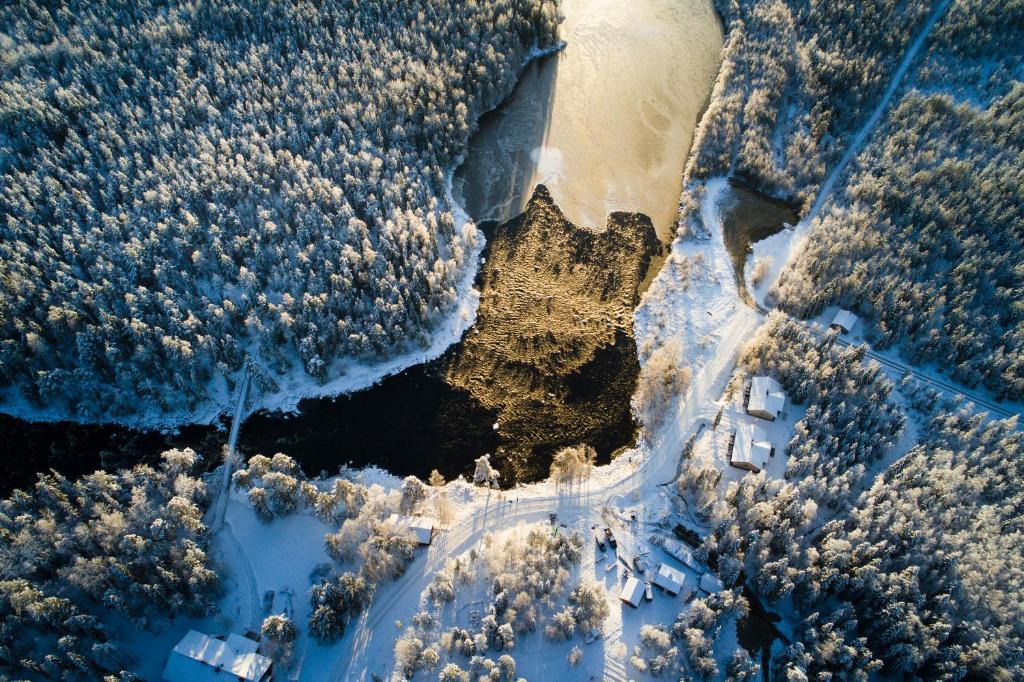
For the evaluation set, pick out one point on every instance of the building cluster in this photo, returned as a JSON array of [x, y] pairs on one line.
[[750, 448]]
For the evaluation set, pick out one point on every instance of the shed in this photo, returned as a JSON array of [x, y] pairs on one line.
[[671, 580], [421, 527], [766, 398], [750, 448], [632, 592], [844, 321], [710, 583], [201, 658]]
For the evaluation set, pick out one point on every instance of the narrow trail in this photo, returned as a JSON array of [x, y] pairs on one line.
[[219, 506], [869, 125], [944, 386], [251, 586]]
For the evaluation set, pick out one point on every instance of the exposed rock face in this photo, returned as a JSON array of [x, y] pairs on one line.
[[552, 350]]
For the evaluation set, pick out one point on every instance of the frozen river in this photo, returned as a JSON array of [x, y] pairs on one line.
[[606, 123]]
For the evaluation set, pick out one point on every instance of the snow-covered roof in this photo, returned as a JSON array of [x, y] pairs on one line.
[[845, 320], [670, 579], [750, 446], [199, 657], [421, 527], [710, 583], [632, 592], [766, 397]]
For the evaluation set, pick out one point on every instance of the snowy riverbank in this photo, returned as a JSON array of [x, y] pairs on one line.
[[350, 376]]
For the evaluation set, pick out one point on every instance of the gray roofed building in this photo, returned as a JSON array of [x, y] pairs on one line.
[[766, 398], [750, 448], [201, 658]]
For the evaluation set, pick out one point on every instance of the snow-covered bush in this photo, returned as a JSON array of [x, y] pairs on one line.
[[275, 485], [742, 668], [575, 656], [409, 655], [662, 380], [414, 491], [335, 602], [573, 464], [278, 634], [654, 637], [762, 266], [453, 673], [590, 599], [387, 553]]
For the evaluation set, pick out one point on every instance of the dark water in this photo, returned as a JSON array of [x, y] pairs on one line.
[[75, 449], [748, 217], [409, 423]]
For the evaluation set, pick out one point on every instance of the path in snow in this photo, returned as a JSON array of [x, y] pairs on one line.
[[219, 506], [940, 384], [784, 246], [876, 115]]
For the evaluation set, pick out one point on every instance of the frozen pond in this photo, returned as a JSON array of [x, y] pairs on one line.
[[606, 124]]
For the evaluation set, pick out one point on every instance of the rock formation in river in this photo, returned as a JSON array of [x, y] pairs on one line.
[[552, 350]]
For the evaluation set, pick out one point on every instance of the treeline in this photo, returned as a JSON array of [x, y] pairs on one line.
[[184, 183], [925, 575], [926, 242], [920, 576], [132, 543], [797, 79]]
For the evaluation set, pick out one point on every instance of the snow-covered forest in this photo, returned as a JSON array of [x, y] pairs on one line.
[[797, 78], [82, 560], [926, 241], [922, 233], [919, 574], [186, 183]]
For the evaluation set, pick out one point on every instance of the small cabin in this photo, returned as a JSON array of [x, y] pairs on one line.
[[766, 398], [750, 449], [201, 658], [420, 527], [843, 321], [632, 592], [672, 581]]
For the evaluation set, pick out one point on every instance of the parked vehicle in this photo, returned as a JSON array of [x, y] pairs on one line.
[[648, 592], [599, 539], [611, 538], [639, 564]]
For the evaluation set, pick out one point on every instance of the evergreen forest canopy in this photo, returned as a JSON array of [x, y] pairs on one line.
[[187, 182], [924, 242]]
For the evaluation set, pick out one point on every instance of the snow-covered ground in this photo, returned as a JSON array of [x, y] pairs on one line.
[[713, 444]]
